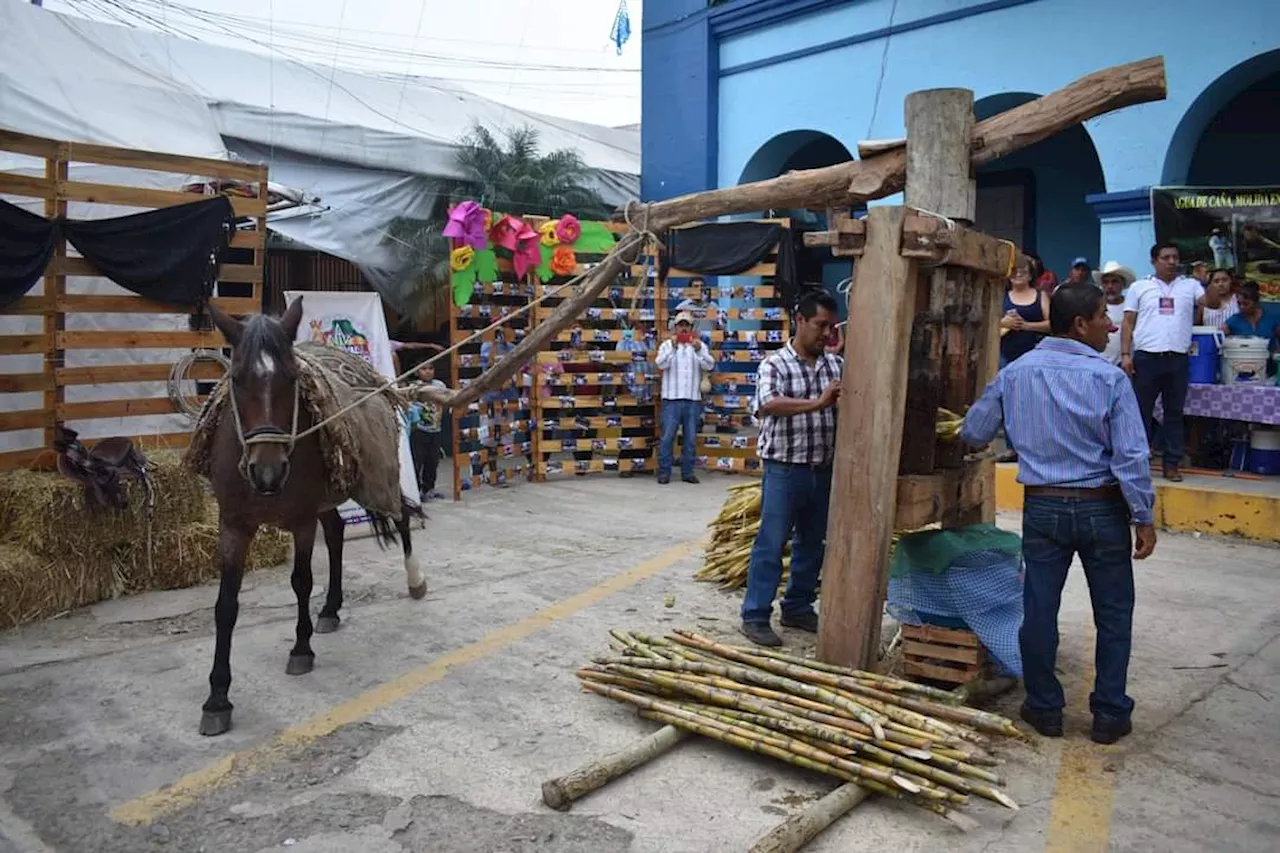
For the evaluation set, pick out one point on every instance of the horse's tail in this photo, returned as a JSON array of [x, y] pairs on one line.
[[385, 527]]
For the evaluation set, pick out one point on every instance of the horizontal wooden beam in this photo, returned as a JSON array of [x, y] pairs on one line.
[[142, 197], [944, 243], [115, 408], [44, 459], [845, 236], [107, 374], [129, 340], [25, 185], [25, 419], [104, 155], [23, 344], [944, 497], [121, 303], [25, 383]]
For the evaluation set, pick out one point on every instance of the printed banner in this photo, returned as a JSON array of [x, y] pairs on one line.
[[1237, 228], [355, 322]]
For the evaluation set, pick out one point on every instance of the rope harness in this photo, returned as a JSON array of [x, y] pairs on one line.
[[265, 434]]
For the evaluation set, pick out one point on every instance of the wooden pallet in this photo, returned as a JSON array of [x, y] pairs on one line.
[[949, 655]]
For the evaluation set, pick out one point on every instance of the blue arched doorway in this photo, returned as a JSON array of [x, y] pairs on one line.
[[788, 152], [1230, 133], [1036, 197]]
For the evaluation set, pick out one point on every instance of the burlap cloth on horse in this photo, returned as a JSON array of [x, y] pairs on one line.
[[361, 449]]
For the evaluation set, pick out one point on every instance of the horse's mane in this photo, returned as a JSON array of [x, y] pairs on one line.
[[264, 336]]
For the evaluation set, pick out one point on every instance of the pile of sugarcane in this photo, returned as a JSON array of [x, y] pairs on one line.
[[948, 425], [897, 738]]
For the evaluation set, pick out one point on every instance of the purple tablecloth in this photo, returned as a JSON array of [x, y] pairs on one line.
[[1258, 404]]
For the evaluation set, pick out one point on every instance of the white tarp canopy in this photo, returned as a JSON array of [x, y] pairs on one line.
[[317, 128]]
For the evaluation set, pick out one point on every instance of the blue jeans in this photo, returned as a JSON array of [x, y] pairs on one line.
[[682, 415], [1053, 531], [794, 498], [1165, 376]]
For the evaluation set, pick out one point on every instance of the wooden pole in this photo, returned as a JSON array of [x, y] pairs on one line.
[[864, 484], [559, 793], [799, 829]]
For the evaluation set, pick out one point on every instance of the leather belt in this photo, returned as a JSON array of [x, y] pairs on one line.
[[1095, 493]]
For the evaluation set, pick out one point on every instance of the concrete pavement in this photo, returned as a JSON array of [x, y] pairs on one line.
[[429, 726]]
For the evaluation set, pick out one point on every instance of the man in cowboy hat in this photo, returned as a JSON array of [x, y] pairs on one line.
[[683, 361], [1114, 279]]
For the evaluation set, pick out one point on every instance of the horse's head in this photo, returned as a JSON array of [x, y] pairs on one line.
[[263, 392]]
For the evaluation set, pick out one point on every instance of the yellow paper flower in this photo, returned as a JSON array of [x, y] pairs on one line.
[[549, 237], [461, 258]]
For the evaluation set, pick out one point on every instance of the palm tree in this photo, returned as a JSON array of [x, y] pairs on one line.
[[507, 175]]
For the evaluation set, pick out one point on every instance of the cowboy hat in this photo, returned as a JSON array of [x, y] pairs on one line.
[[1114, 268], [683, 317]]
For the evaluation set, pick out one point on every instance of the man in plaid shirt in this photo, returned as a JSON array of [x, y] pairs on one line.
[[797, 390]]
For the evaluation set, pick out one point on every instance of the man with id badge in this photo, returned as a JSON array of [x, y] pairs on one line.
[[1159, 312]]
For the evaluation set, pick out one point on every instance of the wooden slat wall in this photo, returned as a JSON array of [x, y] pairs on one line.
[[55, 304]]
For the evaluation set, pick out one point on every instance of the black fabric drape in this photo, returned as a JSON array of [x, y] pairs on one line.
[[168, 254], [729, 248], [26, 244]]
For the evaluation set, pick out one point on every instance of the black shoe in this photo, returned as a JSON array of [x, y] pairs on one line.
[[663, 479], [1109, 729], [1047, 723], [760, 633], [805, 621], [693, 480]]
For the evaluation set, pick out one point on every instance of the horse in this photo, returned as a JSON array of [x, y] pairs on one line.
[[262, 472]]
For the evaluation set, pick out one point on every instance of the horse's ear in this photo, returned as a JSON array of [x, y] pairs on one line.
[[292, 319], [230, 327]]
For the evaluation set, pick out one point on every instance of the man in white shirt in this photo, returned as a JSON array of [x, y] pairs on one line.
[[682, 360], [1158, 315], [1113, 278]]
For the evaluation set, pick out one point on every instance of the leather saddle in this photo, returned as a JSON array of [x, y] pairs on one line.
[[102, 470]]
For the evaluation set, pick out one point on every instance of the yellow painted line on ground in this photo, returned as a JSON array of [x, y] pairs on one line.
[[191, 788], [1080, 815]]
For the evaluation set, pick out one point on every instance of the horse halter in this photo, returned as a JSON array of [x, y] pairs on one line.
[[266, 434]]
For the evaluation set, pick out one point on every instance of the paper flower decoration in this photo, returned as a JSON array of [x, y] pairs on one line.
[[488, 220], [547, 230], [568, 229], [508, 231], [461, 258], [563, 261], [527, 255], [466, 225]]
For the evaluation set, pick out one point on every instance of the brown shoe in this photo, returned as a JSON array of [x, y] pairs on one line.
[[1172, 474]]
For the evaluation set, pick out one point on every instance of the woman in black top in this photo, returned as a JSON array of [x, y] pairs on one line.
[[1026, 317]]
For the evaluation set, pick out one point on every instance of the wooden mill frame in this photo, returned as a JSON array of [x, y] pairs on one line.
[[56, 189]]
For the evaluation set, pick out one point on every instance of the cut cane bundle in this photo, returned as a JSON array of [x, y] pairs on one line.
[[893, 737]]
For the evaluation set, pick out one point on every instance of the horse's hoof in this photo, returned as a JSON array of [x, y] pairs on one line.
[[418, 591], [327, 624], [213, 723], [300, 664]]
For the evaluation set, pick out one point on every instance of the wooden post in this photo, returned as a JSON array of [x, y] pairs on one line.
[[864, 485], [55, 292]]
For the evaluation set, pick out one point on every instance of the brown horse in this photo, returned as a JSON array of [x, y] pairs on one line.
[[262, 473]]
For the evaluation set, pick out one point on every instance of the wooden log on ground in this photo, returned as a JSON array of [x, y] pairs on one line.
[[561, 792], [799, 829]]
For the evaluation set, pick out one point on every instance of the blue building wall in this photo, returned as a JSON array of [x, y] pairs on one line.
[[721, 82]]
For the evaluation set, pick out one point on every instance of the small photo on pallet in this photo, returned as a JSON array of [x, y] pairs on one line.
[[946, 655]]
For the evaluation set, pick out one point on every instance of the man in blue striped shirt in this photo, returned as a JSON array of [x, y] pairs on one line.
[[1083, 462]]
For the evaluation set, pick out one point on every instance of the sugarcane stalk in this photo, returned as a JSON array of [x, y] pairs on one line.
[[630, 642], [889, 682], [561, 792], [765, 679], [778, 746], [606, 677], [799, 829]]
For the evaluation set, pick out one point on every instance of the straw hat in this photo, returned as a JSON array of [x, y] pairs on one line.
[[1114, 268]]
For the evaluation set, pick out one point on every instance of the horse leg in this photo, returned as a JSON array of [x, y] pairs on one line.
[[301, 659], [417, 583], [233, 545], [334, 528]]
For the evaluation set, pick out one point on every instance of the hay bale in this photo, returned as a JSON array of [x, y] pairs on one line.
[[189, 555], [34, 587], [46, 514]]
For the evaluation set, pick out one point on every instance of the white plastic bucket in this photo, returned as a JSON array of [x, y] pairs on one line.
[[1244, 361]]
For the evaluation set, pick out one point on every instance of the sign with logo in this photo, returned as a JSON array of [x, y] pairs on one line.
[[354, 322]]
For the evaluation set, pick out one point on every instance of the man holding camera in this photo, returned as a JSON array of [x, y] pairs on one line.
[[683, 360]]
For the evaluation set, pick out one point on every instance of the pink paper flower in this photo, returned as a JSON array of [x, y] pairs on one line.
[[508, 231], [466, 225], [568, 229]]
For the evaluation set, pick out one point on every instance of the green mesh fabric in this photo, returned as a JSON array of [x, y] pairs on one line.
[[935, 551]]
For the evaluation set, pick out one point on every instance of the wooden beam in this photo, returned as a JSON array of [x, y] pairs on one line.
[[23, 344], [939, 126], [131, 339], [946, 497], [932, 240], [107, 374], [868, 437], [846, 236]]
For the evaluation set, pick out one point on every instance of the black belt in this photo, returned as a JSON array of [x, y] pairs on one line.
[[1094, 493], [816, 466], [1165, 354]]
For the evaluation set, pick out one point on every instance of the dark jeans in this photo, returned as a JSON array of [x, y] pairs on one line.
[[425, 449], [1163, 375], [1053, 531], [684, 416], [794, 498]]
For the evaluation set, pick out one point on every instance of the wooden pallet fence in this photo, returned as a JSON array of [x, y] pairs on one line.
[[596, 388], [53, 301]]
